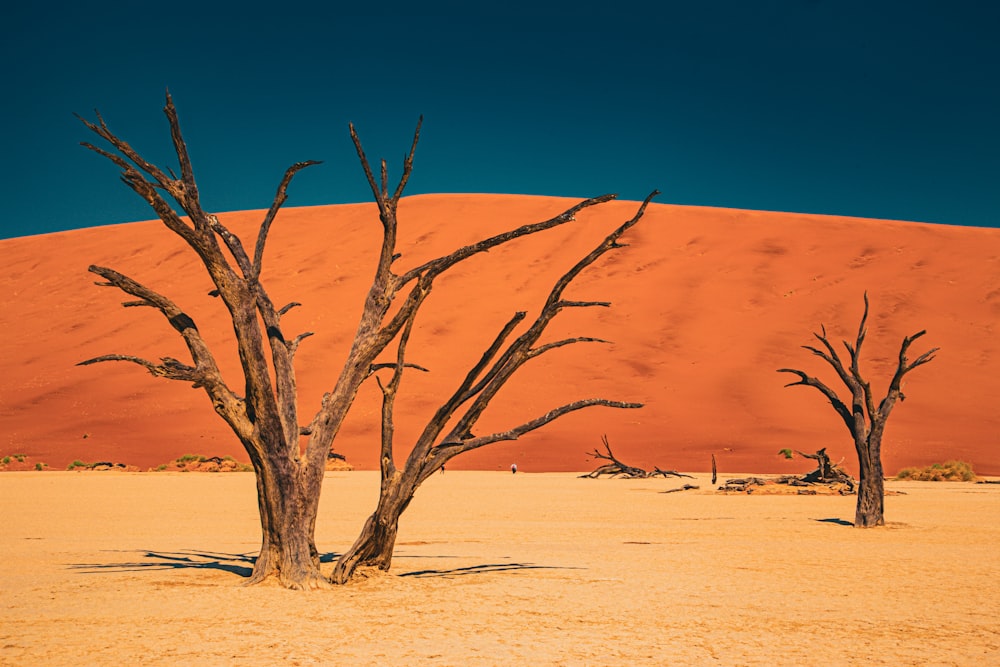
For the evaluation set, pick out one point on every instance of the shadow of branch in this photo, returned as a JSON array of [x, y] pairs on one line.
[[839, 522], [483, 569], [238, 564]]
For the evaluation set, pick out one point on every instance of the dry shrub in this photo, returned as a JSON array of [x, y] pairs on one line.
[[949, 471]]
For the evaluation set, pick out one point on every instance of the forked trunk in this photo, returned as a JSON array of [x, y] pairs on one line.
[[377, 540], [288, 502], [871, 487]]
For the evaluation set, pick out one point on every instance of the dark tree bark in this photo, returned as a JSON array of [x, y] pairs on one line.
[[435, 446], [863, 419], [264, 413]]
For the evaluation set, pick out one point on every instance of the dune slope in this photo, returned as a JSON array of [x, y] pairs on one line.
[[707, 304]]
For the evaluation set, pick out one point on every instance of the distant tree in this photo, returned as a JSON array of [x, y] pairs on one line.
[[263, 413], [863, 419]]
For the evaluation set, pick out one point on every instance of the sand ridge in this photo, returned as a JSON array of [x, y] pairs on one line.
[[707, 303]]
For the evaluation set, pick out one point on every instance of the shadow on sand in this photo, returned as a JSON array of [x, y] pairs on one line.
[[239, 564], [242, 564], [839, 522], [483, 569]]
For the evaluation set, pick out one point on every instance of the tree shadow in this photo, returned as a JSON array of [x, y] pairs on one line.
[[483, 569], [241, 564], [839, 522], [238, 564]]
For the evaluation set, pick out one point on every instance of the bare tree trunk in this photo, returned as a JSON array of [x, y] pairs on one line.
[[288, 504], [871, 485], [377, 541]]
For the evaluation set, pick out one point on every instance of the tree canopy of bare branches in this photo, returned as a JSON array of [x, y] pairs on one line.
[[289, 456], [864, 419]]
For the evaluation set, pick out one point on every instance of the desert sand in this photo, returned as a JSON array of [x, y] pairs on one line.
[[707, 304], [493, 569]]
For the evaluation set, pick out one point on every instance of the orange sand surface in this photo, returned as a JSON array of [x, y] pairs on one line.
[[707, 304], [493, 568]]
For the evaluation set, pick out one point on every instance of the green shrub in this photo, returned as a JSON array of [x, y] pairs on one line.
[[191, 457], [787, 453], [77, 464], [20, 457], [949, 471], [5, 460], [41, 466]]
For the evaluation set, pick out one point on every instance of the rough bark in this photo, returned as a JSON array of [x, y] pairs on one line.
[[264, 414], [865, 421]]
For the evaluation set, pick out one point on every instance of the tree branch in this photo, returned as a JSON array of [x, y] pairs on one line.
[[831, 395], [170, 369], [279, 199], [538, 422], [205, 373], [441, 264]]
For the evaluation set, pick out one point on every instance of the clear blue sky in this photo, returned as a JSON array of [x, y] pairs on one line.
[[878, 109]]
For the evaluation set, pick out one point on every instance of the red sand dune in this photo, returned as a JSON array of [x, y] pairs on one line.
[[707, 304]]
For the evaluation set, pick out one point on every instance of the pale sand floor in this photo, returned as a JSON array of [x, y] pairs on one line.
[[495, 569]]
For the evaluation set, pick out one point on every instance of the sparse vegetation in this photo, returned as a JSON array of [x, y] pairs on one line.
[[10, 461], [949, 471], [787, 453], [41, 466], [77, 464]]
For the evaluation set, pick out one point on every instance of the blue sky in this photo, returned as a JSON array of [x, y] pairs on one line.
[[875, 109]]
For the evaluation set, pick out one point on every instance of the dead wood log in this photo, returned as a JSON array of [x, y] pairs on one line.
[[826, 472], [686, 487], [658, 472], [617, 468]]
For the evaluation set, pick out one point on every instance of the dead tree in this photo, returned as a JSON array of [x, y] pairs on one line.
[[435, 446], [618, 469], [263, 411], [826, 471], [863, 419], [615, 468]]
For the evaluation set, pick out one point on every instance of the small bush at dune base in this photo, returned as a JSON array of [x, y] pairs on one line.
[[949, 471]]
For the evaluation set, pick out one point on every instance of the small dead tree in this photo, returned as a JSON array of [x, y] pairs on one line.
[[863, 419], [617, 468], [263, 413]]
